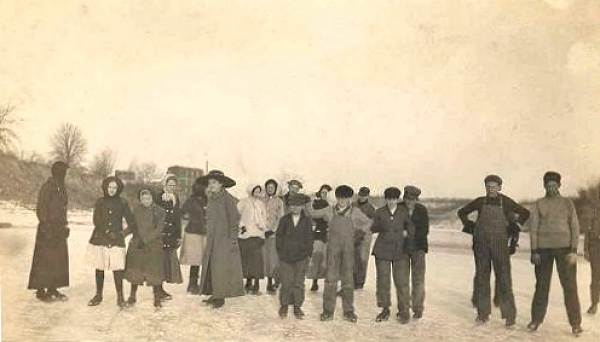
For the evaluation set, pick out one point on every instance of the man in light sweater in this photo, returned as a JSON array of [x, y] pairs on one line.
[[554, 231]]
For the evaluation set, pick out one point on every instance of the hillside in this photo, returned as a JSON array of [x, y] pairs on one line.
[[20, 181]]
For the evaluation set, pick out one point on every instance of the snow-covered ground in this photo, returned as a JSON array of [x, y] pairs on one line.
[[448, 314]]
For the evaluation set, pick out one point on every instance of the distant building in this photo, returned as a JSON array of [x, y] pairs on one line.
[[125, 176], [185, 177]]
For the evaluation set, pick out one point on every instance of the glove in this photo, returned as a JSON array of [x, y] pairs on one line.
[[243, 230], [269, 233], [513, 244], [469, 227], [536, 259]]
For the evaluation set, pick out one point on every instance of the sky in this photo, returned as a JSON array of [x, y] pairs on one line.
[[379, 93]]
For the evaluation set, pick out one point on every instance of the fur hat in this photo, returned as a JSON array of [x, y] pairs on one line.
[[344, 191]]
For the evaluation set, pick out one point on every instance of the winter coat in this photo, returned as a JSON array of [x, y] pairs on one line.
[[420, 219], [320, 210], [389, 244], [145, 253], [194, 209], [172, 227], [222, 254], [253, 217], [108, 215], [50, 264], [366, 207], [275, 211], [294, 243]]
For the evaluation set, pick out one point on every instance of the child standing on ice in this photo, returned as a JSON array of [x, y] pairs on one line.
[[145, 253], [294, 243], [106, 250], [344, 222]]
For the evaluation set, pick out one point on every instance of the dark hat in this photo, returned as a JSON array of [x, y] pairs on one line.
[[325, 187], [298, 200], [218, 176], [109, 180], [272, 181], [392, 193], [411, 192], [552, 176], [364, 191], [493, 178], [296, 183], [59, 170], [198, 189], [344, 191]]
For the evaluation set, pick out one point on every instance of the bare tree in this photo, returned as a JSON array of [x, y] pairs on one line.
[[104, 163], [144, 172], [7, 121], [69, 145]]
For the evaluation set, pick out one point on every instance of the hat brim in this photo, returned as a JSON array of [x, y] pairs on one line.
[[226, 181]]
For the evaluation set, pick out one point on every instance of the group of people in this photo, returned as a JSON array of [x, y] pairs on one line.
[[290, 238], [554, 234]]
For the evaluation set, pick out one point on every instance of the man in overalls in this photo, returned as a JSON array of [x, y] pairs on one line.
[[490, 239], [344, 221]]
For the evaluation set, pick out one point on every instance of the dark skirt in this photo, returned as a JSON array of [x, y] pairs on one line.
[[144, 265], [50, 265], [252, 257], [171, 267]]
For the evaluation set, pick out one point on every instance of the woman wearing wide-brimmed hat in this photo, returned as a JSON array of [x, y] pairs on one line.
[[221, 265]]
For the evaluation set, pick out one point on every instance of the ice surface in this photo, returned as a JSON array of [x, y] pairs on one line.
[[448, 314]]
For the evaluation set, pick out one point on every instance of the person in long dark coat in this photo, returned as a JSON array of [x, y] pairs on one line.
[[106, 249], [50, 265], [169, 201], [221, 265], [144, 262]]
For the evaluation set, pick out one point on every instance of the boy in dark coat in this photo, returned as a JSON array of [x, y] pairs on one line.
[[417, 248], [393, 226], [294, 243], [344, 223], [50, 265], [497, 213]]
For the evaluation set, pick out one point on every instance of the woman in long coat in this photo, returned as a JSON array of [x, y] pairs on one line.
[[169, 201], [275, 211], [106, 249], [145, 253], [50, 265], [221, 265]]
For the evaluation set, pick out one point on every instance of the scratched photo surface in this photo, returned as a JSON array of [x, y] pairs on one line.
[[437, 94]]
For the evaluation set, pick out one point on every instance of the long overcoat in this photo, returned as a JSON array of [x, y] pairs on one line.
[[222, 264]]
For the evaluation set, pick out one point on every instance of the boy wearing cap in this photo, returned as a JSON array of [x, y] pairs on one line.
[[392, 226], [363, 242], [294, 243], [496, 213], [418, 247], [554, 232], [344, 221]]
